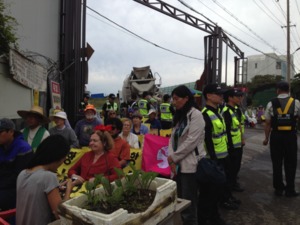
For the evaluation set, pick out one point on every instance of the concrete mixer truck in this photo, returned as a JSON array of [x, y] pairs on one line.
[[139, 80]]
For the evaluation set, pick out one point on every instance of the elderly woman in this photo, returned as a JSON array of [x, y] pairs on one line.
[[185, 148], [126, 135], [60, 128], [138, 128], [98, 161]]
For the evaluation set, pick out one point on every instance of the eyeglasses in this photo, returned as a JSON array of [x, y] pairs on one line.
[[112, 113]]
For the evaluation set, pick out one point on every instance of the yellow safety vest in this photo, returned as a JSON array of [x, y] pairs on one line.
[[235, 130], [165, 113], [142, 104], [219, 136]]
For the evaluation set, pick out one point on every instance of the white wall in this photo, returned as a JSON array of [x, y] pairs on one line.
[[13, 96], [38, 29]]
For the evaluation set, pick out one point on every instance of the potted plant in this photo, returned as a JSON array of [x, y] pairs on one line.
[[137, 198]]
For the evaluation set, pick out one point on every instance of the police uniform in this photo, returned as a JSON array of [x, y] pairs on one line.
[[234, 134], [281, 113], [144, 107], [166, 115]]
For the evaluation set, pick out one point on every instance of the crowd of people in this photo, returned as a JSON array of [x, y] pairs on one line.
[[29, 158]]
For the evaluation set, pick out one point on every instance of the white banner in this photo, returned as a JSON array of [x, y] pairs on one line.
[[27, 72]]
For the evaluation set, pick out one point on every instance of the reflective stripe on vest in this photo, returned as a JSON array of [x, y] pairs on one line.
[[165, 113], [110, 107], [142, 104], [283, 120], [219, 136], [235, 130]]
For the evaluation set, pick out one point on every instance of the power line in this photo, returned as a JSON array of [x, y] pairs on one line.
[[140, 37], [241, 22], [221, 17], [272, 18]]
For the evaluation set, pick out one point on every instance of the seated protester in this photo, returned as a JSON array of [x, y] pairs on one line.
[[15, 153], [111, 114], [130, 113], [126, 135], [85, 127], [98, 161], [154, 123], [68, 133], [34, 133], [137, 127], [121, 149], [38, 194]]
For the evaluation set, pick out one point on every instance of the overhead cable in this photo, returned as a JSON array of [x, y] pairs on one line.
[[241, 22], [140, 37]]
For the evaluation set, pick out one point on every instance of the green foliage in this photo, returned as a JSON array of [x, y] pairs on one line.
[[262, 82], [7, 29], [114, 195], [295, 86]]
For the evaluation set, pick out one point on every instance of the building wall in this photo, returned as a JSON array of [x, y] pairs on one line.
[[38, 29], [38, 39], [264, 65], [13, 96]]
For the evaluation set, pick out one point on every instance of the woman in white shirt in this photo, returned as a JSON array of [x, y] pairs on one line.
[[131, 138]]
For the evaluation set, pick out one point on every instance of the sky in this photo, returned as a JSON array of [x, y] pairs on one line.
[[259, 26]]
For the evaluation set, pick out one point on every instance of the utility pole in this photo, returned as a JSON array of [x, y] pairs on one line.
[[288, 75]]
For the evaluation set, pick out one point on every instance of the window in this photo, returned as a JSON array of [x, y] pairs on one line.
[[255, 65], [278, 65]]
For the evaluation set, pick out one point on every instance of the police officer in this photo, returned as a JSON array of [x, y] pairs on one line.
[[144, 105], [232, 98], [166, 112], [216, 147], [281, 115], [109, 105]]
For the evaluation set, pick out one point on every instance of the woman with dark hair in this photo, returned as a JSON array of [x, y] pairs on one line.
[[186, 147], [37, 186], [98, 161]]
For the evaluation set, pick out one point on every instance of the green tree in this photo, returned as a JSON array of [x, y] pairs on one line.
[[295, 86], [7, 29], [262, 82]]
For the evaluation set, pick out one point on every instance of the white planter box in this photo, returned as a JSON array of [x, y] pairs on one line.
[[163, 204]]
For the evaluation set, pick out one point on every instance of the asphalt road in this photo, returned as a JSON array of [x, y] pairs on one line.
[[259, 205]]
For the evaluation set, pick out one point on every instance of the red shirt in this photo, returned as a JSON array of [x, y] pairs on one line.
[[104, 165], [121, 149]]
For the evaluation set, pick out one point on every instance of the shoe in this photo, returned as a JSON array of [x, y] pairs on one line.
[[229, 205], [234, 200], [291, 194], [278, 192], [237, 188]]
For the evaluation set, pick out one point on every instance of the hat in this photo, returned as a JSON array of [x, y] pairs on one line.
[[91, 107], [130, 110], [137, 114], [36, 110], [233, 92], [86, 95], [213, 89], [6, 124], [112, 96], [151, 111], [61, 115]]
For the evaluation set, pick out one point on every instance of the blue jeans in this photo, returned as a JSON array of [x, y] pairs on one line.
[[187, 188]]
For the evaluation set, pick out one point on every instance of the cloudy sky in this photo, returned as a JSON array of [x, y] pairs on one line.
[[257, 23]]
